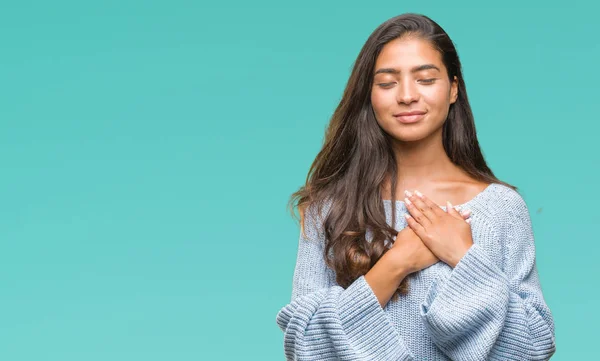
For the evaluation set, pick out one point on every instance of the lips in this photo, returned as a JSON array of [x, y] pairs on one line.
[[410, 117], [414, 112]]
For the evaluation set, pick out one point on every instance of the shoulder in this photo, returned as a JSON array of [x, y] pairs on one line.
[[312, 218], [501, 205], [508, 199], [510, 208]]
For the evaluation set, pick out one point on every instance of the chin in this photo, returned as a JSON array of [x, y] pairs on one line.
[[415, 132], [411, 137], [408, 134]]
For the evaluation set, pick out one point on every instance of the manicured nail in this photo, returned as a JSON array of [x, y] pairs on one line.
[[407, 216], [407, 193], [419, 194], [468, 211], [408, 201], [449, 204], [468, 221]]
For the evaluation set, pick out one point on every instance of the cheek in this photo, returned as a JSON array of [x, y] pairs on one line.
[[437, 97], [379, 101]]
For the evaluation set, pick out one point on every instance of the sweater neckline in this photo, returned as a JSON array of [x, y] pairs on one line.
[[461, 206]]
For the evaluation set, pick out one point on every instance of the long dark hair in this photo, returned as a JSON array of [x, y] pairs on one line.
[[357, 157]]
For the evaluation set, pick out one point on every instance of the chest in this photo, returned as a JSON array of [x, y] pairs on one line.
[[483, 232]]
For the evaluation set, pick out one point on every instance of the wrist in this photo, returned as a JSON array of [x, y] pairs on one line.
[[398, 269], [459, 256]]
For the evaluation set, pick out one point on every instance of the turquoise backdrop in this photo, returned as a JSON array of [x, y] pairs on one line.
[[148, 150]]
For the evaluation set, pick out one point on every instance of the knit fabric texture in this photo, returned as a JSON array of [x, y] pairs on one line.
[[489, 307]]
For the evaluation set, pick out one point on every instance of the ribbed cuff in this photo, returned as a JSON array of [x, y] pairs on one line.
[[367, 325], [475, 295]]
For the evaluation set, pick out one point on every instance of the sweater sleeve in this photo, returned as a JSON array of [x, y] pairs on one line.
[[324, 321], [484, 312]]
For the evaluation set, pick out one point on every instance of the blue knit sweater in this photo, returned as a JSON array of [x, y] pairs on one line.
[[489, 307]]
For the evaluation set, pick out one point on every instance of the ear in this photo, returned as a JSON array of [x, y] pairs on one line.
[[454, 90]]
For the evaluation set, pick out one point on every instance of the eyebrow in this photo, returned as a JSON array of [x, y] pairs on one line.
[[413, 70]]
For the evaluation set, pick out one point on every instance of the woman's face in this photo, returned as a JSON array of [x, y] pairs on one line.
[[411, 77]]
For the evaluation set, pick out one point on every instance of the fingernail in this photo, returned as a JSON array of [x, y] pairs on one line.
[[406, 215], [468, 211], [408, 201], [449, 204], [407, 193], [419, 194], [468, 221]]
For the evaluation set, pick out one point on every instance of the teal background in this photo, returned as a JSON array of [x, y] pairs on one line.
[[148, 150]]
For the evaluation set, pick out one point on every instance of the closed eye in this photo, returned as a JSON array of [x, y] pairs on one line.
[[423, 81]]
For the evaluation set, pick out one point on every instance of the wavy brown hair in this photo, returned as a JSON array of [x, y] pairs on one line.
[[356, 157]]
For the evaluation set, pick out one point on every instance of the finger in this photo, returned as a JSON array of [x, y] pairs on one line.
[[422, 206], [415, 226], [463, 214], [416, 213], [431, 204], [453, 211]]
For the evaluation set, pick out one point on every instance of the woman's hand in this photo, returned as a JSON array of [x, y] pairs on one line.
[[446, 234], [410, 254]]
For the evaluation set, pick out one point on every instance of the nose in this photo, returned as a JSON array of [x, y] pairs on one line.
[[407, 92]]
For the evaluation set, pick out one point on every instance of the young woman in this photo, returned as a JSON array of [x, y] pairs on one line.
[[456, 282]]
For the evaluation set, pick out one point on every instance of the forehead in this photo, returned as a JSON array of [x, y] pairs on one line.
[[405, 53]]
